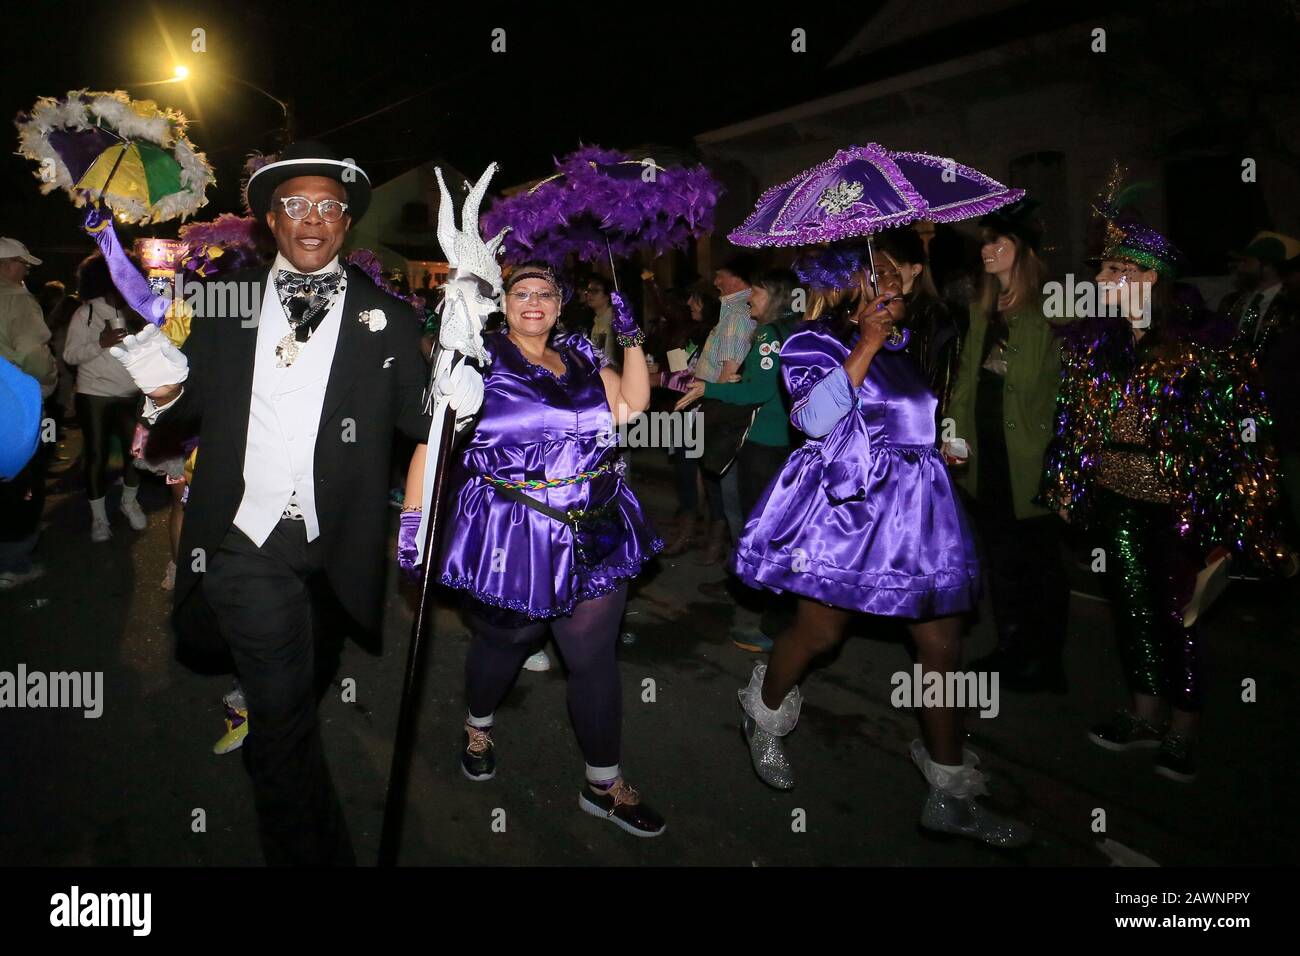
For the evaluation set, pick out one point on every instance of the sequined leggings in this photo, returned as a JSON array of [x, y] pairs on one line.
[[1150, 576], [587, 639]]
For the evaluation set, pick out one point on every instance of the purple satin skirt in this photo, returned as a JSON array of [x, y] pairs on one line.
[[507, 555], [904, 549]]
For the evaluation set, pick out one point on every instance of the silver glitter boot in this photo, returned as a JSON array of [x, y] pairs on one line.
[[951, 807], [763, 729]]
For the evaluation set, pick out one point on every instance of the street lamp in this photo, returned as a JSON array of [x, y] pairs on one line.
[[180, 73]]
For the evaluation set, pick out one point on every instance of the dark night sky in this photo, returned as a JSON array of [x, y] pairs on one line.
[[660, 73], [394, 85]]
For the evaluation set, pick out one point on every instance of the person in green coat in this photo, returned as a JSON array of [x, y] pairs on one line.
[[1000, 421], [767, 444]]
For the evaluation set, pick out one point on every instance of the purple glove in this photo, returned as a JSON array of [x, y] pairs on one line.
[[133, 287], [629, 334], [407, 528]]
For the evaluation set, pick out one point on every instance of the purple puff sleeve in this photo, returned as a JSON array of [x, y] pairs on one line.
[[812, 367]]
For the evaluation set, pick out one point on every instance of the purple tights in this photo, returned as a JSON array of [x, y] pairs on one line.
[[588, 640]]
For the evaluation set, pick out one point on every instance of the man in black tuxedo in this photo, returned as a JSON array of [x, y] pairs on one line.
[[295, 403]]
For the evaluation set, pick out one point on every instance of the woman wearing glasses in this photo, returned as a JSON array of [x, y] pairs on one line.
[[863, 519], [544, 533]]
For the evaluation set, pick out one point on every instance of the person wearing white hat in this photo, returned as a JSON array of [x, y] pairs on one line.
[[24, 336], [24, 342]]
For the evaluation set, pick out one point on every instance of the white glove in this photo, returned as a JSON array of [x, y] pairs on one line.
[[462, 388], [152, 360]]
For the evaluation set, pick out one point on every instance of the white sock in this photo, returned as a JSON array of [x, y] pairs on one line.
[[480, 723], [603, 777], [948, 768], [129, 493], [98, 509]]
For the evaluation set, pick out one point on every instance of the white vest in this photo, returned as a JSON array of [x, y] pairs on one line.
[[283, 418]]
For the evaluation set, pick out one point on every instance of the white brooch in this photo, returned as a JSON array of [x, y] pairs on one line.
[[374, 319], [840, 197]]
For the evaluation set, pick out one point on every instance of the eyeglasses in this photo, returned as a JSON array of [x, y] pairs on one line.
[[299, 207], [522, 297], [1122, 268]]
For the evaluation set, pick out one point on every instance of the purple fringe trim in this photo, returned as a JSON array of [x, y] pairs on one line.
[[864, 223], [601, 580]]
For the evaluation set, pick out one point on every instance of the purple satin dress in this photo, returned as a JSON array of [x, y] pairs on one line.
[[536, 425], [863, 516]]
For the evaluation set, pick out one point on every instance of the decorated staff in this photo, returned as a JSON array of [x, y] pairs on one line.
[[472, 292]]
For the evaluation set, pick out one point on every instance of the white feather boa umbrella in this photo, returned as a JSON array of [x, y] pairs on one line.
[[140, 121]]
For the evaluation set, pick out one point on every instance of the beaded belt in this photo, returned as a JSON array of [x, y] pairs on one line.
[[538, 484]]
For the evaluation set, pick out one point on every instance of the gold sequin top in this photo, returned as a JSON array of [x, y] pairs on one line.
[[1128, 462]]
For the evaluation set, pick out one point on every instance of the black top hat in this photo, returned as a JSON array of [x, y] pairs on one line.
[[308, 159], [1018, 219]]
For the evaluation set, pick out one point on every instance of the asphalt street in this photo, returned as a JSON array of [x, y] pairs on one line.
[[124, 788]]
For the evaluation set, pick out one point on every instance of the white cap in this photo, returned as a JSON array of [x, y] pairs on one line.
[[13, 249]]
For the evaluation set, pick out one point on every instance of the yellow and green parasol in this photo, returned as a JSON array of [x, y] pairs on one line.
[[130, 154]]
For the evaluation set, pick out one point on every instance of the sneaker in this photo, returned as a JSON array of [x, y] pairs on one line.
[[1126, 731], [100, 531], [236, 731], [1176, 759], [753, 640], [479, 760], [16, 579], [622, 806], [134, 514], [169, 577], [538, 662]]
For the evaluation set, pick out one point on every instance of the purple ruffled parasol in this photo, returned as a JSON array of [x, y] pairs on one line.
[[866, 189], [603, 203]]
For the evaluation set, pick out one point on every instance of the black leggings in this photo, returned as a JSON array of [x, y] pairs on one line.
[[101, 417], [587, 639]]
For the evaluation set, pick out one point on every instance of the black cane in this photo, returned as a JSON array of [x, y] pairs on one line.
[[400, 766]]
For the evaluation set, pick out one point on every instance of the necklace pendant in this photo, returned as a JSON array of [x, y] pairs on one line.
[[286, 351]]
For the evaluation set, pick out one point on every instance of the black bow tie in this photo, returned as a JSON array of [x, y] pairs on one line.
[[306, 298]]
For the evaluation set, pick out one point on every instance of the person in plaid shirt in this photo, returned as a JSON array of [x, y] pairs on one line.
[[720, 360]]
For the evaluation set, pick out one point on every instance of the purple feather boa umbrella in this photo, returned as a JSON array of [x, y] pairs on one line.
[[863, 190], [602, 203]]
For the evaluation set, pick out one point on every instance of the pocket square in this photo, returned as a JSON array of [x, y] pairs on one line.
[[389, 361]]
